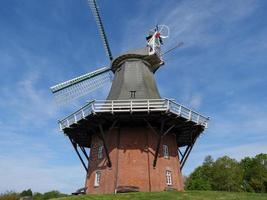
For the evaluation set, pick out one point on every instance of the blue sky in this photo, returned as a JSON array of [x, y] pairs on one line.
[[221, 71]]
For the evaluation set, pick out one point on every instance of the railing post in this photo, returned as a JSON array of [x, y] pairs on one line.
[[75, 118], [180, 110], [68, 123], [131, 106], [198, 119], [190, 114], [92, 107], [83, 114], [168, 105], [148, 107], [112, 110]]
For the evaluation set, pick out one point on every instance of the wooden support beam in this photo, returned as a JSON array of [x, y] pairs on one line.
[[104, 144], [169, 129], [188, 149], [149, 125], [183, 154], [75, 148], [113, 125], [84, 153], [160, 134], [157, 151], [159, 141], [180, 152], [186, 156]]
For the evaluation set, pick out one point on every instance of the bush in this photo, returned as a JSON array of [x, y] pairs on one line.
[[9, 195], [198, 184], [48, 195]]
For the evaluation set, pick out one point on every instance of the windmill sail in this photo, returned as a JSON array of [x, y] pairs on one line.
[[95, 11], [82, 85]]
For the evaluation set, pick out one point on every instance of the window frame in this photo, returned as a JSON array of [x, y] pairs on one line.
[[100, 152], [168, 177], [97, 179], [166, 152], [132, 94]]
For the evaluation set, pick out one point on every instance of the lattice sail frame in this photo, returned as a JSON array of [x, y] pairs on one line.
[[82, 85], [95, 10]]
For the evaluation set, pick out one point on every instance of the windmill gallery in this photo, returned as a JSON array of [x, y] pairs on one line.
[[134, 140]]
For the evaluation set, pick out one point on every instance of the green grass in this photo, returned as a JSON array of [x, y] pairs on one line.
[[189, 195]]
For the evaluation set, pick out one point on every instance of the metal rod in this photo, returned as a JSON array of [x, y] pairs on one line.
[[171, 49]]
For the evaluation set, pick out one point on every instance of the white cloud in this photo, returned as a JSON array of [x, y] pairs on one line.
[[196, 101], [239, 120], [39, 163], [28, 104], [26, 171], [31, 154], [195, 22]]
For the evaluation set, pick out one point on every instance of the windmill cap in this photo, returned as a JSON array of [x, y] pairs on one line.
[[153, 61]]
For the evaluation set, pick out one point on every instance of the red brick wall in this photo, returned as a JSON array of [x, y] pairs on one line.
[[132, 151]]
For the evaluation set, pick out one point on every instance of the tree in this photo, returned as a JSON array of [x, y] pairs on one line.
[[26, 193], [200, 179], [227, 175], [255, 173], [208, 160], [197, 183]]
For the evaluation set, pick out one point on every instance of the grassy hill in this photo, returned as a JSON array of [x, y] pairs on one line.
[[189, 195]]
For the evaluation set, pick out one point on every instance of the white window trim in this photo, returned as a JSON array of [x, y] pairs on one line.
[[100, 152], [97, 178], [165, 151], [168, 177]]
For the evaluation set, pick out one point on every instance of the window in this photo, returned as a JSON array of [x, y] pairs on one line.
[[165, 151], [168, 177], [132, 93], [97, 178], [100, 152]]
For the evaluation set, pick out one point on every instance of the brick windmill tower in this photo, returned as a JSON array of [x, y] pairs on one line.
[[134, 140]]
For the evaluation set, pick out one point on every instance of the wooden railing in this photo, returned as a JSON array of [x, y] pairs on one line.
[[133, 106]]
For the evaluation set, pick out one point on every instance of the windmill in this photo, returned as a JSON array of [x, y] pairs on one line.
[[138, 141]]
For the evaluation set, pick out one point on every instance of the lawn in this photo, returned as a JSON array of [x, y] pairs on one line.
[[189, 195]]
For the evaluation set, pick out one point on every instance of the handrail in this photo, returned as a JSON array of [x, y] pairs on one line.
[[131, 106], [89, 103]]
